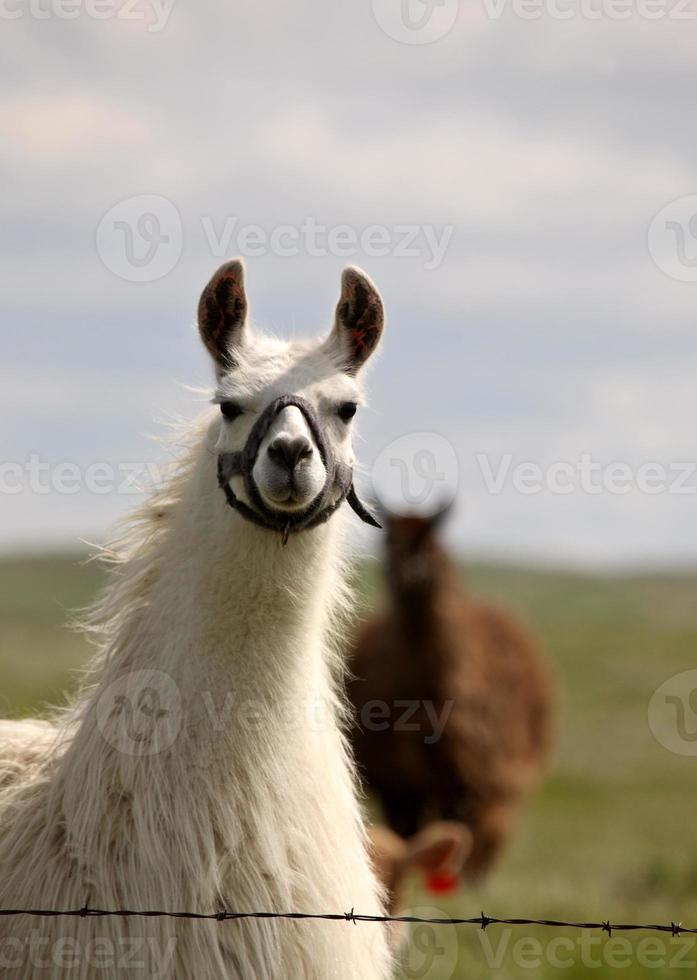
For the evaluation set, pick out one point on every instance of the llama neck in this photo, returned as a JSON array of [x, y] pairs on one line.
[[241, 618], [422, 612], [227, 652]]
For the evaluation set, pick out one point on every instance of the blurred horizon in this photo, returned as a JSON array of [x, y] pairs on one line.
[[85, 550]]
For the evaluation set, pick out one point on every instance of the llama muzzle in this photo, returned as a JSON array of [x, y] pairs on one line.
[[338, 485]]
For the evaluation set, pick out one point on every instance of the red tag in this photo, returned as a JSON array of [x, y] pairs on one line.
[[442, 884]]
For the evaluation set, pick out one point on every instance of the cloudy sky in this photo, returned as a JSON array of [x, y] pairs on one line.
[[518, 176]]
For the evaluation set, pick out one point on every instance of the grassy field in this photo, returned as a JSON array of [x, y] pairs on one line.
[[611, 833]]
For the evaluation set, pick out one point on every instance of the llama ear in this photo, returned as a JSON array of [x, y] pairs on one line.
[[222, 314], [440, 847], [359, 319]]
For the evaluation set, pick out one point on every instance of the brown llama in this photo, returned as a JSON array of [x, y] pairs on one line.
[[452, 698]]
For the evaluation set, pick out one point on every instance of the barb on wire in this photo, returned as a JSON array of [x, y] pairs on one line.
[[483, 921]]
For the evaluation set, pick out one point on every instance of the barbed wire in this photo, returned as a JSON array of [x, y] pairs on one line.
[[483, 921]]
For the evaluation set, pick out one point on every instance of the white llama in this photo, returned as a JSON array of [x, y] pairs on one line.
[[205, 766]]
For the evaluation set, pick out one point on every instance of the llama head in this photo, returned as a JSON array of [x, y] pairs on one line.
[[439, 851], [414, 554], [286, 408]]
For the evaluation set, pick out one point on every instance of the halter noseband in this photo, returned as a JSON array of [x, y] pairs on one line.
[[338, 483]]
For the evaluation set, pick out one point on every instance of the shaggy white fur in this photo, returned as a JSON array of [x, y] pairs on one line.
[[204, 765]]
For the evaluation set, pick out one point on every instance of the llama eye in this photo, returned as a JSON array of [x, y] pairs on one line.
[[346, 411], [230, 410]]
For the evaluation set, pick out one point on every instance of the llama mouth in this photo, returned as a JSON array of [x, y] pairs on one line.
[[294, 502], [287, 493]]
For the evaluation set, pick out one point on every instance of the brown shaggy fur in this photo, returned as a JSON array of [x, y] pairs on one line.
[[436, 645]]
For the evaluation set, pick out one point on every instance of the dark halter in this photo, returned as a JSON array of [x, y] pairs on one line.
[[339, 479]]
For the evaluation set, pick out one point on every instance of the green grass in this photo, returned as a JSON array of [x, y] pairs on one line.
[[610, 834], [38, 655]]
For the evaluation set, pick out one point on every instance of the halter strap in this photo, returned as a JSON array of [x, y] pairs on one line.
[[339, 478]]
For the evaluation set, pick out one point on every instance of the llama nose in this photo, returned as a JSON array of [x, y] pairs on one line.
[[289, 451]]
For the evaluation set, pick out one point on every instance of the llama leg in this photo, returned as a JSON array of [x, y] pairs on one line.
[[491, 827]]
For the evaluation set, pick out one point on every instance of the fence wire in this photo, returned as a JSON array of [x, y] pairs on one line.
[[483, 921]]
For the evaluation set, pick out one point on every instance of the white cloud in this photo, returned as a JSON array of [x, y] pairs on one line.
[[57, 129], [546, 331]]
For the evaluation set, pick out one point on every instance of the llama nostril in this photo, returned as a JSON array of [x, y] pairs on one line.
[[289, 452]]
